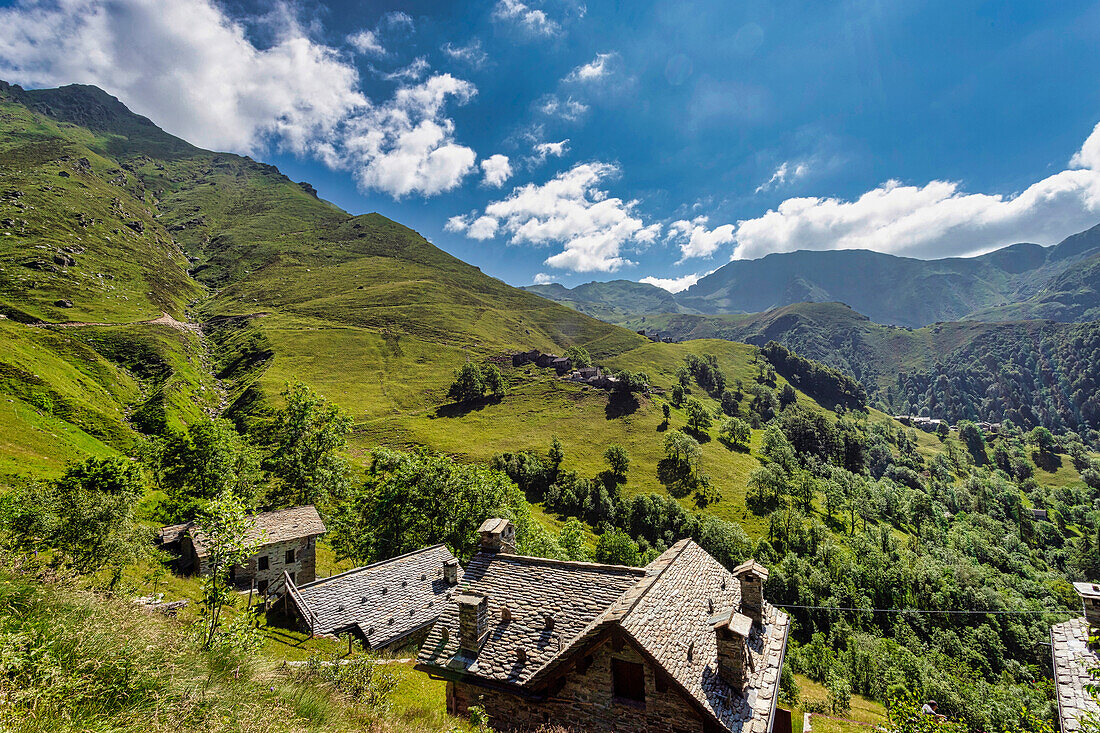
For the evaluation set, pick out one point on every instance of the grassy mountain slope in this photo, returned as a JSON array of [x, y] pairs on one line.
[[612, 301], [1033, 372], [286, 286]]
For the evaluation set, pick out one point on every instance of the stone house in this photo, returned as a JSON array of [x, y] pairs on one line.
[[561, 364], [545, 360], [681, 645], [387, 606], [525, 357], [287, 545], [1073, 659]]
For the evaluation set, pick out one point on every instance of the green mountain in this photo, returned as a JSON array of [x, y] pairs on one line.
[[1032, 372], [146, 282], [1018, 281], [613, 301]]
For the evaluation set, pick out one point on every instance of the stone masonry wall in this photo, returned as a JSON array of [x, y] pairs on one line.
[[304, 567], [586, 702]]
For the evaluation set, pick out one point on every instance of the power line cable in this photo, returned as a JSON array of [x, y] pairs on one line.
[[918, 611]]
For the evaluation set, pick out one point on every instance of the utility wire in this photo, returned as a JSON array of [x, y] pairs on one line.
[[917, 611]]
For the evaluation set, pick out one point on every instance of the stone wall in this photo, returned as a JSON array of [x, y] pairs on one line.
[[304, 567], [586, 702]]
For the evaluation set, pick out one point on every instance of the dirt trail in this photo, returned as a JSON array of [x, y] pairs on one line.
[[164, 320]]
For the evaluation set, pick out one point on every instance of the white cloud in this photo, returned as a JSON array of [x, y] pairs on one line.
[[543, 278], [784, 173], [673, 284], [457, 224], [568, 109], [193, 70], [574, 211], [405, 146], [415, 71], [497, 170], [558, 149], [594, 70], [470, 54], [531, 20], [396, 18], [1089, 154], [366, 41], [483, 227], [474, 227], [695, 240], [934, 220]]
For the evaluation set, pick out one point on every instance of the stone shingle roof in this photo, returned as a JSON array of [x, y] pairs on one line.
[[386, 600], [573, 594], [1072, 661], [282, 525], [675, 615], [666, 608]]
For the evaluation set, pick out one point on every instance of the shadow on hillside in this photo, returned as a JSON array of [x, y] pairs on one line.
[[731, 445], [700, 435], [459, 409], [620, 404], [663, 426], [1049, 462]]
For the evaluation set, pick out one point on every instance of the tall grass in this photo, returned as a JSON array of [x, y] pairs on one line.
[[71, 660]]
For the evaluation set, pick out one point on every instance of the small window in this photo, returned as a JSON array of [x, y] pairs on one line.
[[262, 586], [262, 562], [289, 556], [628, 680]]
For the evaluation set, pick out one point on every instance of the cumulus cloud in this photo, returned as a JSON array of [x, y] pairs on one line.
[[784, 173], [544, 150], [193, 70], [497, 170], [568, 109], [543, 278], [934, 220], [366, 42], [594, 70], [470, 54], [695, 240], [1089, 154], [673, 284], [405, 146], [531, 20], [414, 71], [571, 210]]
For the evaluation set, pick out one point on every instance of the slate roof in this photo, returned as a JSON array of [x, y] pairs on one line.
[[385, 601], [282, 525], [572, 593], [1072, 662], [666, 608]]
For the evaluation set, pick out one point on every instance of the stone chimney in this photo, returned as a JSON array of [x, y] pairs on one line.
[[473, 622], [731, 633], [450, 572], [752, 575], [1090, 600], [498, 535]]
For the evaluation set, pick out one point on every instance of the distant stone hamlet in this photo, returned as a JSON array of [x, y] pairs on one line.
[[593, 376], [681, 645], [931, 424]]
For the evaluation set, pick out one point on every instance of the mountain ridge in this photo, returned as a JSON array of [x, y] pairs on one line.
[[891, 290]]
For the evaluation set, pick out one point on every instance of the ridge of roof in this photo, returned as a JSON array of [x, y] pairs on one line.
[[617, 611], [551, 562], [372, 566]]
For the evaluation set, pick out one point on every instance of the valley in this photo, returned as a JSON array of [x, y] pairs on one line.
[[185, 331]]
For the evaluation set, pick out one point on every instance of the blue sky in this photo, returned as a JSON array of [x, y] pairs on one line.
[[642, 140]]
